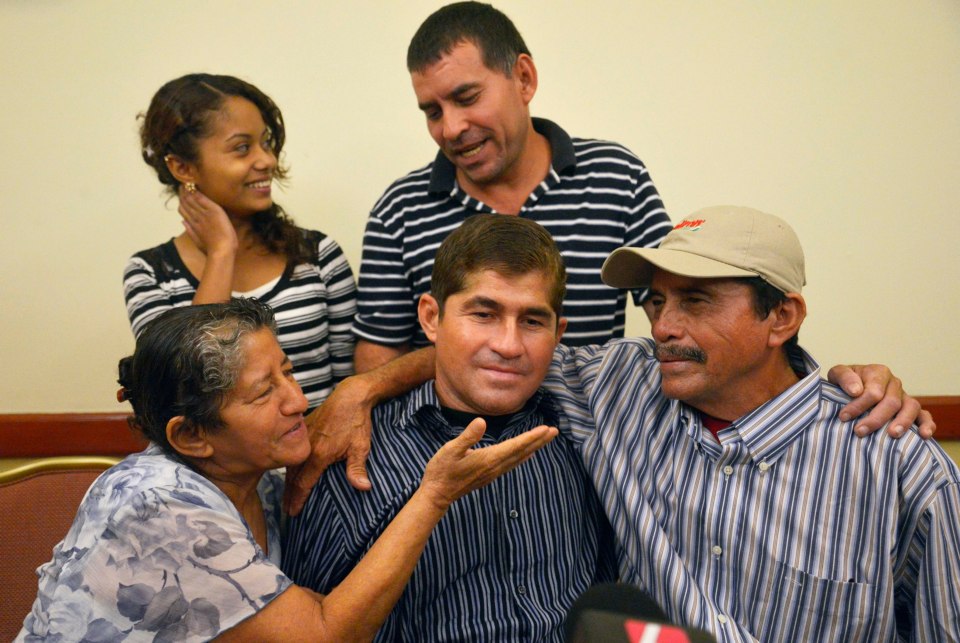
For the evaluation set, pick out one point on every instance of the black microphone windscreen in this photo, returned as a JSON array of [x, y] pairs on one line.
[[622, 598]]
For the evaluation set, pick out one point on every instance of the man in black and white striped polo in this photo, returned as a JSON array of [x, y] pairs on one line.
[[474, 78]]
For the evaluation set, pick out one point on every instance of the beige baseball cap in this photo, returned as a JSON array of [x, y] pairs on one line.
[[721, 241]]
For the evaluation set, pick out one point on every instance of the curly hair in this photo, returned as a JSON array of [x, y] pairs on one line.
[[181, 114]]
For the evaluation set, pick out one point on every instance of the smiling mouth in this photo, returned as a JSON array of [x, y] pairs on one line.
[[470, 152], [260, 185], [503, 372], [296, 427]]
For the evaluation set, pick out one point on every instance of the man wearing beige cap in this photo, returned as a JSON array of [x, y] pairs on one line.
[[649, 460], [742, 503]]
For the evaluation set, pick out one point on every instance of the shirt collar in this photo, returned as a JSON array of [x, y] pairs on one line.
[[768, 430], [422, 408], [443, 176]]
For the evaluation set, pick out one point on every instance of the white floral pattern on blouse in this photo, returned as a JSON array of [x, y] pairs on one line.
[[157, 553]]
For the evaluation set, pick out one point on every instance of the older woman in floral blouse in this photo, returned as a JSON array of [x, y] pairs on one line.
[[181, 541]]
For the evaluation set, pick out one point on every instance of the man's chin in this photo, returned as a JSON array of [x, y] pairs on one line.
[[674, 387], [499, 404], [478, 174]]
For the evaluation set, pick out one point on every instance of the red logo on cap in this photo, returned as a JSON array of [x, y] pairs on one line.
[[693, 224]]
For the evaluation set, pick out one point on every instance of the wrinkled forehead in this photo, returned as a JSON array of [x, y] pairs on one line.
[[663, 281], [258, 354]]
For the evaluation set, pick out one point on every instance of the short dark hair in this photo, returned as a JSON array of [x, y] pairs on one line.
[[181, 114], [507, 244], [492, 32], [185, 361], [766, 297]]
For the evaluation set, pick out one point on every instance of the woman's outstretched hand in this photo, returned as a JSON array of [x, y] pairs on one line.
[[457, 468]]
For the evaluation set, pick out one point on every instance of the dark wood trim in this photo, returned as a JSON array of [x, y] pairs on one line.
[[36, 435], [946, 412], [40, 435]]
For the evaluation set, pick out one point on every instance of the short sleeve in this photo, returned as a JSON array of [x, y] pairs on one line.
[[386, 307], [648, 222], [154, 281], [341, 305], [172, 564], [142, 294]]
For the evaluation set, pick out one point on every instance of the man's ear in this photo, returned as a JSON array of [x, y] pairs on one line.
[[788, 316], [561, 327], [183, 171], [187, 440], [428, 311], [525, 73]]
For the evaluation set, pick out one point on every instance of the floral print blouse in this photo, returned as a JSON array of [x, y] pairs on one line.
[[157, 553]]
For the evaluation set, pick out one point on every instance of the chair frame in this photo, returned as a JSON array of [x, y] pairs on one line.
[[59, 463]]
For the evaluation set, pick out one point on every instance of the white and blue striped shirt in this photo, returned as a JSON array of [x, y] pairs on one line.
[[507, 561], [790, 528]]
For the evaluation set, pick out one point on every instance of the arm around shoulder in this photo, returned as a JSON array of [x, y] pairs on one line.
[[340, 427], [368, 355]]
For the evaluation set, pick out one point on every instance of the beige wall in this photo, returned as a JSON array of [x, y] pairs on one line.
[[843, 117]]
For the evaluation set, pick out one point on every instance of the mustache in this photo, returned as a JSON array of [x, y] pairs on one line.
[[666, 351]]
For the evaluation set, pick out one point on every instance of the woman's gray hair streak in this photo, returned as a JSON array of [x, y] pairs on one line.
[[185, 362]]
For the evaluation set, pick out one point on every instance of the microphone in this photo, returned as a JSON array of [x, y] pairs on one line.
[[620, 613]]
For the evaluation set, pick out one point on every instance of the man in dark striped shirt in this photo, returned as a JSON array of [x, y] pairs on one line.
[[507, 561], [474, 79]]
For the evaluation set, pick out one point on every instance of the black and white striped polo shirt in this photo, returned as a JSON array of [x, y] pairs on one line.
[[596, 198]]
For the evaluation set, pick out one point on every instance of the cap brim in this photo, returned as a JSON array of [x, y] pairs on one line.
[[633, 267]]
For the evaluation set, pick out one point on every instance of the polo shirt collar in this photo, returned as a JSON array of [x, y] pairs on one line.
[[768, 430], [443, 176]]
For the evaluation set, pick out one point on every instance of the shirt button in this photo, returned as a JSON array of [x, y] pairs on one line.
[[514, 514], [717, 550], [722, 618], [727, 470], [522, 590], [763, 466]]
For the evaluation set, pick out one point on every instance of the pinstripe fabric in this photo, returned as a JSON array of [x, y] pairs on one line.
[[504, 564], [789, 529], [597, 197], [313, 303]]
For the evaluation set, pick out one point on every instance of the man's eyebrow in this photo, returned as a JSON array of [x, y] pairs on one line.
[[460, 90], [539, 312], [690, 290], [698, 290], [483, 302], [457, 92], [480, 301], [269, 374]]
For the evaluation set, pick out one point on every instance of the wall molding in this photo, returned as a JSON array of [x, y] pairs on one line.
[[40, 435], [946, 411], [35, 435]]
